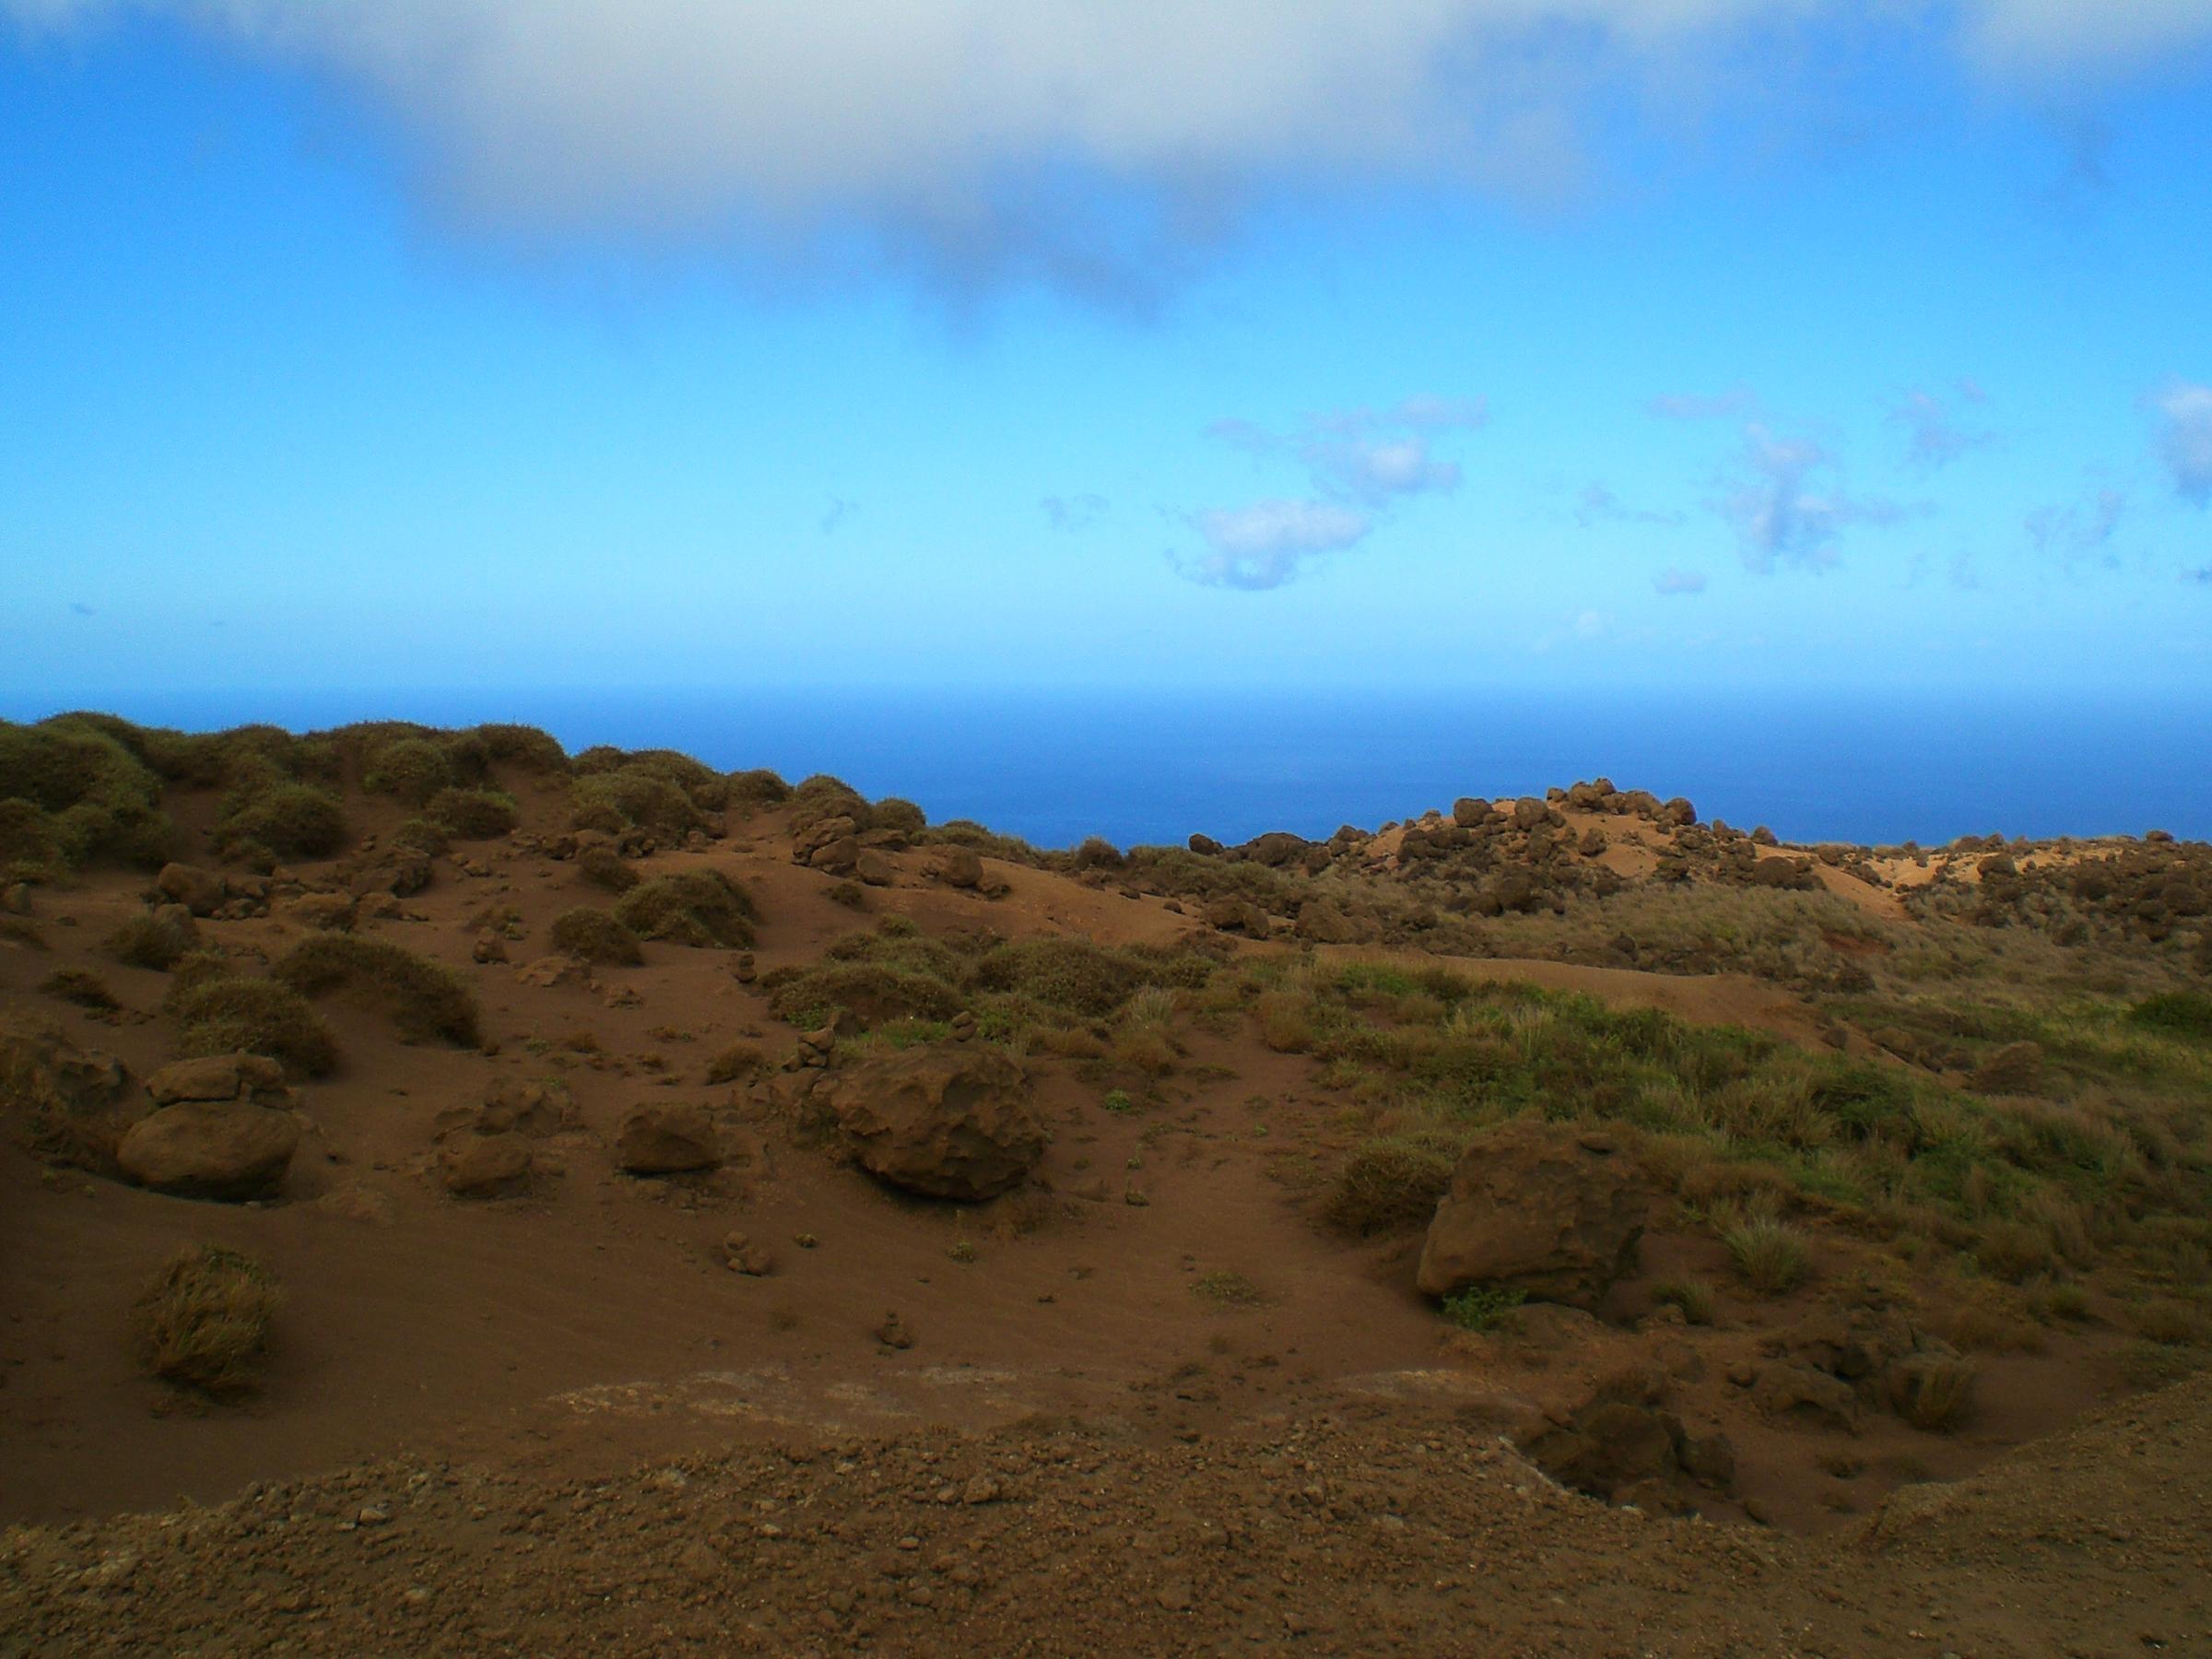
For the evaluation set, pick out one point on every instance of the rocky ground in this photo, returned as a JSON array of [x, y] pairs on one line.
[[901, 1239]]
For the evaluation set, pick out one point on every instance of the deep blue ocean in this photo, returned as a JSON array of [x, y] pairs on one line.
[[1149, 766]]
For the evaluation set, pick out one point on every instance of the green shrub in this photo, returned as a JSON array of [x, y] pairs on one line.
[[894, 813], [84, 795], [1083, 978], [521, 745], [2184, 1013], [739, 1061], [1480, 1307], [414, 768], [633, 798], [292, 821], [849, 894], [1391, 1183], [203, 1322], [419, 835], [1693, 1299], [147, 940], [223, 1013], [759, 787], [603, 866], [426, 1001], [873, 993], [1226, 1289], [596, 937], [473, 814], [1934, 1391], [699, 908]]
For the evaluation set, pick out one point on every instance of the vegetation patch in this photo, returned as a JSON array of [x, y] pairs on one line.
[[426, 1001], [604, 867], [203, 1324], [473, 814], [595, 936], [1481, 1307], [699, 907], [73, 793], [80, 989], [1390, 1183], [287, 819], [150, 941], [220, 1013]]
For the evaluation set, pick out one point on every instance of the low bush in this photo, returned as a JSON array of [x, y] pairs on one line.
[[80, 989], [426, 1001], [1693, 1299], [203, 1322], [413, 769], [473, 814], [872, 992], [1391, 1183], [74, 794], [595, 936], [520, 746], [736, 1063], [756, 788], [219, 1013], [633, 798], [894, 813], [147, 940], [1481, 1307], [2184, 1013], [1935, 1392], [419, 835], [291, 820], [699, 907], [604, 867]]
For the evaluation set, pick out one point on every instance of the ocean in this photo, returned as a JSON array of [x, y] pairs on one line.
[[1153, 766]]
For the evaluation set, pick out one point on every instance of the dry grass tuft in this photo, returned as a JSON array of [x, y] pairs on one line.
[[595, 936], [203, 1324], [427, 1001]]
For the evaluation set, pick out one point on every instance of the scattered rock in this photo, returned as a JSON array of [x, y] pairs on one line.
[[484, 1166], [950, 1123], [1543, 1208], [874, 869], [892, 1333], [217, 1078], [76, 1104], [1237, 915], [200, 892], [488, 947], [740, 1254], [959, 867], [667, 1140], [551, 970]]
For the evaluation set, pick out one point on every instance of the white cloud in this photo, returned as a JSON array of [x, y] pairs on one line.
[[1369, 455], [1783, 511], [1598, 505], [950, 130], [1673, 582], [2185, 438], [1073, 512], [1732, 405], [1261, 546]]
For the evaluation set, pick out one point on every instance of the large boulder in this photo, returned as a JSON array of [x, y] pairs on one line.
[[667, 1140], [223, 1149], [1549, 1210], [484, 1166], [945, 1123], [959, 867], [70, 1106]]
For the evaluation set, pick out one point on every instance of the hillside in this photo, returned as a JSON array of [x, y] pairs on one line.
[[671, 1192]]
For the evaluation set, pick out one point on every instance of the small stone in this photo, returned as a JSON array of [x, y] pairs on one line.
[[892, 1333]]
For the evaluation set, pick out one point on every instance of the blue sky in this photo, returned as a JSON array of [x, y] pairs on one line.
[[1638, 343]]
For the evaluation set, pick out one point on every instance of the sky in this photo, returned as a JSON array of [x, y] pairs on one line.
[[1753, 344]]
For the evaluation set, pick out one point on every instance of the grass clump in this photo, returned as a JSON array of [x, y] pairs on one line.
[[1935, 1392], [427, 1001], [1079, 977], [699, 908], [473, 814], [419, 835], [1693, 1299], [873, 993], [150, 941], [220, 1013], [203, 1324], [412, 768], [2184, 1013], [1481, 1307], [1225, 1289], [595, 936], [739, 1061], [1769, 1253], [1391, 1183], [756, 788]]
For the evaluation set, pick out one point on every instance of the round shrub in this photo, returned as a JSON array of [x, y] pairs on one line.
[[695, 907], [414, 768], [595, 936], [292, 821], [1391, 1183], [223, 1015], [603, 866], [150, 941], [203, 1322], [473, 814], [427, 1001]]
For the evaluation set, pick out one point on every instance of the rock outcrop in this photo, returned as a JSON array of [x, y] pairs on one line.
[[945, 1123], [1549, 1210]]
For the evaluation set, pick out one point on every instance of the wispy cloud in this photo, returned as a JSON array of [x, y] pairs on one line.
[[78, 608], [2200, 577], [1933, 439], [1598, 505], [1675, 582], [836, 514], [1067, 513], [2075, 532], [1262, 546], [1369, 455], [1732, 405], [1784, 507], [2185, 412]]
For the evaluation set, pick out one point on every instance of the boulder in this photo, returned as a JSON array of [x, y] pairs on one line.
[[667, 1140], [873, 868], [1792, 1388], [1528, 812], [229, 1150], [1276, 847], [1322, 922], [72, 1105], [483, 1166], [200, 892], [551, 970], [1676, 813], [815, 837], [1205, 846], [1237, 915], [217, 1078], [946, 1122], [959, 867], [837, 858], [1546, 1209]]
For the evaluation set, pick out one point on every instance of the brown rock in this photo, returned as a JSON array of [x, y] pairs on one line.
[[488, 947], [77, 1104], [892, 1332], [667, 1140], [951, 1123], [1471, 814], [740, 1254], [222, 1150], [1543, 1208], [217, 1078], [551, 970], [838, 857], [959, 867], [1528, 812], [1237, 915], [1795, 1389], [874, 869], [200, 892], [483, 1166], [1322, 922]]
